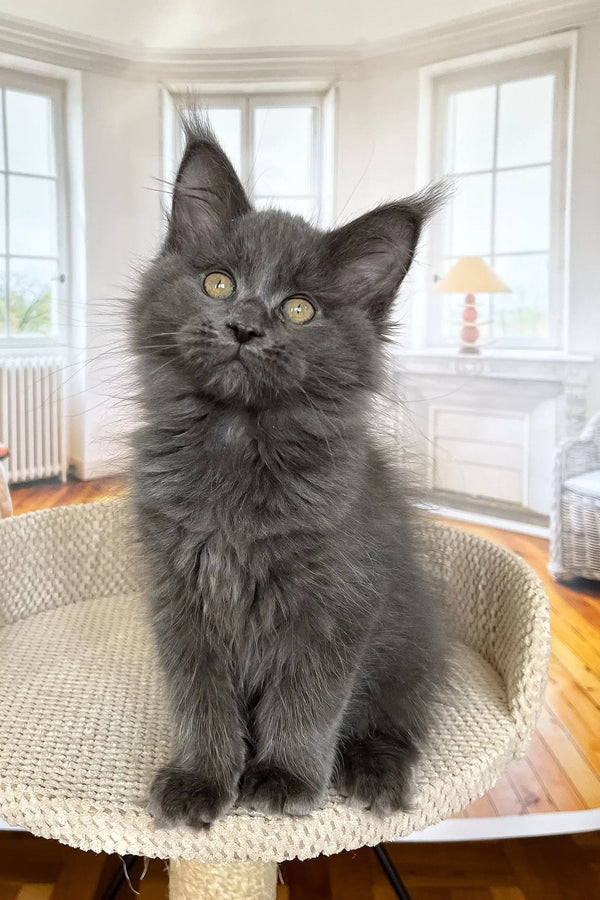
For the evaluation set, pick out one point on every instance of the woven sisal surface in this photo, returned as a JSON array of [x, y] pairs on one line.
[[83, 721]]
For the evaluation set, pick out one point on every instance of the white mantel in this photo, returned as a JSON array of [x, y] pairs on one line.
[[489, 424]]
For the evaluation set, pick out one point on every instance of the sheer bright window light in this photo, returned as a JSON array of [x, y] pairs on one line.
[[499, 131], [283, 159], [227, 126], [470, 135], [278, 146], [29, 214]]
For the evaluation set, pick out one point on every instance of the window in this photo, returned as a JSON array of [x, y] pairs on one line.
[[276, 143], [30, 206], [499, 131]]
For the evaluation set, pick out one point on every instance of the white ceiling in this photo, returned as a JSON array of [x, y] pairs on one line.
[[223, 24]]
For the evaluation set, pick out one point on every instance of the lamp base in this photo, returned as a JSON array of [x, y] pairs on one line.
[[470, 349], [469, 333]]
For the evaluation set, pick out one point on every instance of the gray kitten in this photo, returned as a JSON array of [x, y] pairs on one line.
[[301, 640]]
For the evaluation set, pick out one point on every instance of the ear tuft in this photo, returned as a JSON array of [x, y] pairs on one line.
[[207, 194], [196, 127], [370, 256], [431, 199]]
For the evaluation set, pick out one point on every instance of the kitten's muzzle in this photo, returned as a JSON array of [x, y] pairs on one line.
[[244, 333]]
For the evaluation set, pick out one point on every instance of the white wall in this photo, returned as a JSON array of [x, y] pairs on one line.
[[585, 206], [377, 137], [377, 149], [121, 128], [353, 158]]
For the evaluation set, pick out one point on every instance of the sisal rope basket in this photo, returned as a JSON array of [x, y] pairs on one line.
[[84, 723]]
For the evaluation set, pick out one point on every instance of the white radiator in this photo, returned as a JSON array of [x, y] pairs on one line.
[[32, 417]]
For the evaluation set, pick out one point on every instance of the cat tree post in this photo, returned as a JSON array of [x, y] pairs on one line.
[[230, 881]]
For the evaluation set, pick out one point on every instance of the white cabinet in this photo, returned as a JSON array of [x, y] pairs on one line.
[[488, 427]]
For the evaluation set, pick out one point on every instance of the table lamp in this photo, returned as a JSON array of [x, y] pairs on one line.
[[470, 276]]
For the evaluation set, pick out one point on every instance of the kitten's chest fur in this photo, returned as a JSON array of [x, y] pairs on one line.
[[255, 476], [251, 502]]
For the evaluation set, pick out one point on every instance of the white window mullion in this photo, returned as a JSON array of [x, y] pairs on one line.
[[249, 147], [558, 270], [492, 303], [247, 173], [6, 248], [315, 167]]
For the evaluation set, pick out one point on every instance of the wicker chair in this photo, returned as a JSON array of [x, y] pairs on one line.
[[84, 724], [575, 519]]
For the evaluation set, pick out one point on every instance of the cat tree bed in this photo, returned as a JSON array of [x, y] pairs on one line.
[[84, 724]]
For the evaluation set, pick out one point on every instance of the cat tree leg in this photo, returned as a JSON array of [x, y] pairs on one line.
[[232, 881]]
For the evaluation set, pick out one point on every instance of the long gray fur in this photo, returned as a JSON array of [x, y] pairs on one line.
[[301, 637]]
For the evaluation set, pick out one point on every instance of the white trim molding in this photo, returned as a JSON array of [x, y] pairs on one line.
[[479, 33], [30, 39], [113, 464], [457, 37], [476, 518]]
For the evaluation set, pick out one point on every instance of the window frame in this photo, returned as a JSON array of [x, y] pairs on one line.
[[248, 102], [54, 88], [555, 62]]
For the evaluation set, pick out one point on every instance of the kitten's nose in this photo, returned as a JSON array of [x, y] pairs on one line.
[[244, 333]]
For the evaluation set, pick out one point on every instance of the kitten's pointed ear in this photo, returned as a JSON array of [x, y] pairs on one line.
[[208, 194], [370, 256]]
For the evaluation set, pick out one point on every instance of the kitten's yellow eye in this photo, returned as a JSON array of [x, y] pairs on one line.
[[298, 310], [218, 285]]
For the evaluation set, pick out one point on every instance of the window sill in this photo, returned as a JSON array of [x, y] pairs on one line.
[[33, 351], [496, 353], [515, 365]]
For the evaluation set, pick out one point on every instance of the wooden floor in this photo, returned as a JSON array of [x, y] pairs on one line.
[[550, 868], [45, 495], [561, 773]]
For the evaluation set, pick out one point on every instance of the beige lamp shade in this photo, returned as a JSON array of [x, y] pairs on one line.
[[470, 275]]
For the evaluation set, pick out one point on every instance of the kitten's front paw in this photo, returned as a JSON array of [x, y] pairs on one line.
[[180, 797], [273, 790], [375, 773]]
